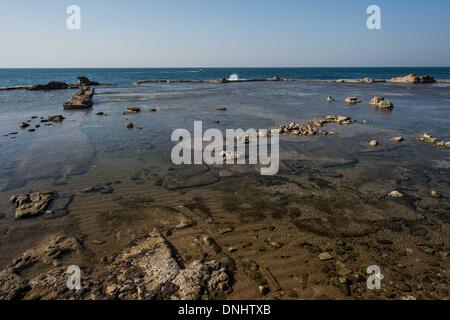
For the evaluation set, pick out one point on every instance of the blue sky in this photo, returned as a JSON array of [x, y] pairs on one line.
[[224, 33]]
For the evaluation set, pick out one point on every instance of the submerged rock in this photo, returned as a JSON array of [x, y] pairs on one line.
[[381, 103], [57, 118], [81, 100], [398, 139], [31, 205], [431, 140], [131, 110]]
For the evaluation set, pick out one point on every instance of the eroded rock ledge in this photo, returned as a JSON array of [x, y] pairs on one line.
[[57, 85], [149, 269], [81, 100]]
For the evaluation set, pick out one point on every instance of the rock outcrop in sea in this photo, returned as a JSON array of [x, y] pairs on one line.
[[81, 100], [52, 85], [381, 103], [413, 78]]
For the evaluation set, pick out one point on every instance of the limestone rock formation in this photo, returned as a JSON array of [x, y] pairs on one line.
[[31, 205], [81, 100], [413, 79], [381, 103], [52, 85]]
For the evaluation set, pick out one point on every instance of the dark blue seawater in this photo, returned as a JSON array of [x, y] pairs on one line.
[[13, 77]]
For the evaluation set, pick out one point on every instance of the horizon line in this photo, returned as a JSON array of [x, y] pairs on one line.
[[235, 67]]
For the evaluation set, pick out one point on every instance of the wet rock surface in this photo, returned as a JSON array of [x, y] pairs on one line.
[[81, 100], [153, 263], [432, 140], [52, 85], [381, 103], [31, 205]]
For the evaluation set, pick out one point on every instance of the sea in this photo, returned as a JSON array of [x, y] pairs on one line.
[[16, 77]]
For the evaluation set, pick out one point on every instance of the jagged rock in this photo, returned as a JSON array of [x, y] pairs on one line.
[[81, 100], [413, 78], [84, 81], [52, 85], [31, 205], [50, 250], [381, 103], [24, 125], [12, 286], [157, 274]]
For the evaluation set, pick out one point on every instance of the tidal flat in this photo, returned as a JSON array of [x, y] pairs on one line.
[[140, 227]]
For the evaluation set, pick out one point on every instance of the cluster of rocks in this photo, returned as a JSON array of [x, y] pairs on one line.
[[313, 127], [381, 103], [30, 205], [408, 79], [27, 124], [431, 140], [81, 100]]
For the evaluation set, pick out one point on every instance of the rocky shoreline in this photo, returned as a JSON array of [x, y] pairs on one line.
[[178, 232], [83, 81]]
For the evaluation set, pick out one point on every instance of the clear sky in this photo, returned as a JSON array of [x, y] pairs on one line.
[[224, 33]]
